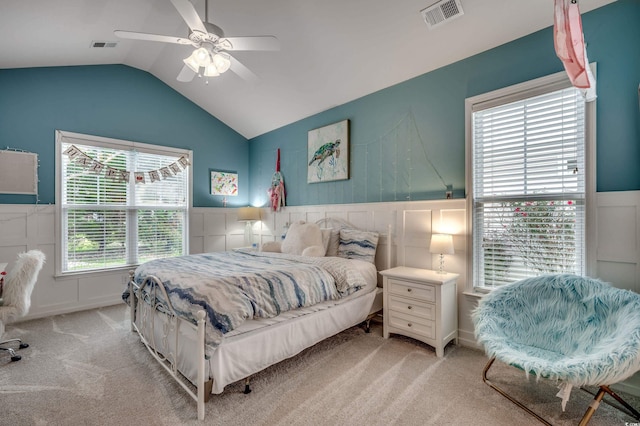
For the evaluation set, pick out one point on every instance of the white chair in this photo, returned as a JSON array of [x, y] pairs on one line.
[[16, 296]]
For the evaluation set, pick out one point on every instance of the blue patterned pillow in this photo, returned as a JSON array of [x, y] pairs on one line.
[[356, 244]]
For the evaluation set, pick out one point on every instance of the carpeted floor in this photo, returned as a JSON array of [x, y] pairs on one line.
[[87, 368]]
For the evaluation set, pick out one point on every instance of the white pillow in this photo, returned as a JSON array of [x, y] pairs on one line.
[[334, 242], [314, 251], [273, 246], [326, 238], [300, 236]]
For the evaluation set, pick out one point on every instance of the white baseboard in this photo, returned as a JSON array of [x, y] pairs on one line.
[[468, 339], [630, 386]]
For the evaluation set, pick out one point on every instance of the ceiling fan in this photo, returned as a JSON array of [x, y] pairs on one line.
[[211, 46]]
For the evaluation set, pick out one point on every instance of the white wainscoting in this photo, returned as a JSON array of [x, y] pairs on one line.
[[617, 257], [26, 227], [216, 229], [618, 235], [617, 254]]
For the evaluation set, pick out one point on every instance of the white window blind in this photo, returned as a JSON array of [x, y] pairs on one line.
[[528, 166], [108, 222]]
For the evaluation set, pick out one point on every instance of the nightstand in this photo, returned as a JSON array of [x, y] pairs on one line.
[[421, 304]]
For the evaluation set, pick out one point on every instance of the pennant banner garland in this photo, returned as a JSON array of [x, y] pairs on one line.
[[75, 154]]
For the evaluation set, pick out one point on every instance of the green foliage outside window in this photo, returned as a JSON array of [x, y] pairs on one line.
[[535, 236]]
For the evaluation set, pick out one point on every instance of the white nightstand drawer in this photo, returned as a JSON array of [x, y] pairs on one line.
[[413, 324], [404, 288], [412, 307], [421, 304]]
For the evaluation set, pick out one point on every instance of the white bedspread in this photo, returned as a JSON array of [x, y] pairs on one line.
[[232, 287]]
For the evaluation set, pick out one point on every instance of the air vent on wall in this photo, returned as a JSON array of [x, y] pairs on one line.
[[442, 12], [101, 44]]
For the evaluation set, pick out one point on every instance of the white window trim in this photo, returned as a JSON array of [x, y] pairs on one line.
[[508, 94], [82, 139]]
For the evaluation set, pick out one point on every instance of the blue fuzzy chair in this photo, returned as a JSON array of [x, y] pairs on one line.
[[576, 330]]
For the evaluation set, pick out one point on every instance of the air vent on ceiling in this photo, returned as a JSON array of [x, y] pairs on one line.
[[101, 44], [442, 12]]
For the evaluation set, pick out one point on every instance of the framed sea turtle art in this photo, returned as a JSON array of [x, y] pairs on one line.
[[328, 153]]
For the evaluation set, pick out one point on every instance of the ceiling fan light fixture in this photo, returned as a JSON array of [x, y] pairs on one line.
[[209, 44], [211, 71], [192, 63], [202, 56], [222, 62]]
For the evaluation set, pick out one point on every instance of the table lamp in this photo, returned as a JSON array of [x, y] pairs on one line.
[[248, 215], [441, 244]]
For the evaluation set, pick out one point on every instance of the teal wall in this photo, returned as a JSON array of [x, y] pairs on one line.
[[407, 141], [119, 102]]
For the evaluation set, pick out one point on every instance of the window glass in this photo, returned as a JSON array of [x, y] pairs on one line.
[[109, 222], [528, 168]]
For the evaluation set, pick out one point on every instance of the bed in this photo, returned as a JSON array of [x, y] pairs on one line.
[[312, 297]]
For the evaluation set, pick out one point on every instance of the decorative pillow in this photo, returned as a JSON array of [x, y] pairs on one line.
[[314, 251], [356, 244], [334, 242], [326, 238], [273, 246], [300, 236]]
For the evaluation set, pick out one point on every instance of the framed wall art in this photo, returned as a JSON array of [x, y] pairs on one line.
[[224, 183], [328, 153]]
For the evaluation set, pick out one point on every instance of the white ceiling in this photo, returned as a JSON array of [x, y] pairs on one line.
[[332, 51]]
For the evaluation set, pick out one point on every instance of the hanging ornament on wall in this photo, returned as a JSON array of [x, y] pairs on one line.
[[276, 191]]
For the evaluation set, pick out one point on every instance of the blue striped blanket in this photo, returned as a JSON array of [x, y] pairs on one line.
[[232, 287]]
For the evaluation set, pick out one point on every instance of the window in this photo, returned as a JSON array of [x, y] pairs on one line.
[[526, 155], [106, 221]]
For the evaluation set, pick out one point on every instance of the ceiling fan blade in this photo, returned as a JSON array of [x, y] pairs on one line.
[[151, 37], [242, 71], [253, 43], [189, 14], [186, 74]]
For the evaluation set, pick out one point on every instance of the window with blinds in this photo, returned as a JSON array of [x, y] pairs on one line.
[[528, 168], [107, 222]]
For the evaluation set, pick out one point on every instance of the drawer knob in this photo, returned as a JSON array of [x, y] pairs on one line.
[[409, 307], [409, 325], [409, 290]]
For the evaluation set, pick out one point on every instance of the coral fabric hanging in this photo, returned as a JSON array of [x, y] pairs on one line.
[[570, 48], [277, 191]]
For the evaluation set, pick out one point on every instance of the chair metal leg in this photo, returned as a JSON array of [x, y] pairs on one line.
[[587, 415], [598, 398], [592, 407], [506, 395], [634, 413]]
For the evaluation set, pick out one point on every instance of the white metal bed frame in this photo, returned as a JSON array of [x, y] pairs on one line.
[[151, 297]]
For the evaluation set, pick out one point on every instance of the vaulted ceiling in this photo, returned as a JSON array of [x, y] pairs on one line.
[[332, 51]]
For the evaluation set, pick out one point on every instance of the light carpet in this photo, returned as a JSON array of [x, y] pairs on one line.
[[88, 368]]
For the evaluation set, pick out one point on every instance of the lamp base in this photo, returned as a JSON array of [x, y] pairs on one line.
[[441, 268], [248, 234]]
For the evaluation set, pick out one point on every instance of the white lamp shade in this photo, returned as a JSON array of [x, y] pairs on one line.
[[211, 70], [192, 63], [202, 56], [248, 214], [222, 62], [441, 244]]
